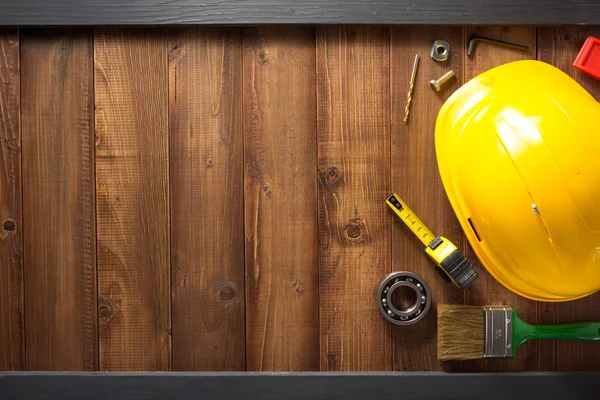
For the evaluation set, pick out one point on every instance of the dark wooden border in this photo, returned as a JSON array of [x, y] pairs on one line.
[[313, 386], [313, 12]]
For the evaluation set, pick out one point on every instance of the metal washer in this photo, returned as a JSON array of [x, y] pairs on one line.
[[435, 52], [416, 311]]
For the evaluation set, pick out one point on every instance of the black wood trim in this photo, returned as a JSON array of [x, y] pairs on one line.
[[313, 12], [313, 386]]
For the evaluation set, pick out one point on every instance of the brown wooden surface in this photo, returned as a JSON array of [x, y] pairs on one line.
[[353, 105], [11, 243], [559, 47], [58, 200], [132, 177], [206, 159], [235, 188], [487, 290], [416, 179], [282, 318]]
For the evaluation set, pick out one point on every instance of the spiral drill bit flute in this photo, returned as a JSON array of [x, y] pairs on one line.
[[411, 87]]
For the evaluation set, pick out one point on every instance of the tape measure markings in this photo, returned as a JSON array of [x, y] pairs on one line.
[[451, 264]]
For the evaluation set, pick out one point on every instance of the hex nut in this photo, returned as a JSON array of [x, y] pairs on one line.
[[440, 50]]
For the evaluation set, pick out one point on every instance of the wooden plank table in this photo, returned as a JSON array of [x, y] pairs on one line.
[[212, 199]]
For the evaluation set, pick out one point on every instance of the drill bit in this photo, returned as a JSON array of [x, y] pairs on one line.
[[411, 87]]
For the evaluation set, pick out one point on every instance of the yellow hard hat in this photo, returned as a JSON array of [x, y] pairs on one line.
[[518, 149]]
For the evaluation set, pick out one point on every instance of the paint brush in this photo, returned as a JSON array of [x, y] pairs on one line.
[[469, 332]]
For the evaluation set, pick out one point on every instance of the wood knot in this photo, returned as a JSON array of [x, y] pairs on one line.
[[209, 163], [267, 190], [227, 292], [356, 231], [9, 225], [297, 286], [263, 58], [175, 53], [333, 175], [353, 230], [105, 308]]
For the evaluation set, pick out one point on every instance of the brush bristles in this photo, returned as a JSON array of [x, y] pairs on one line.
[[461, 332]]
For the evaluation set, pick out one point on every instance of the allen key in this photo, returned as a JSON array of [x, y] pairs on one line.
[[474, 39]]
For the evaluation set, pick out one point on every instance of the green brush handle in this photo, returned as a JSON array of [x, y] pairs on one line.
[[522, 331]]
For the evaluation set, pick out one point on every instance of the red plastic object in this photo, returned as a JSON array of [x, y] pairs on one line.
[[588, 59]]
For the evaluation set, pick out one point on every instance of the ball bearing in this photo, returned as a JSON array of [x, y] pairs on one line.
[[415, 311]]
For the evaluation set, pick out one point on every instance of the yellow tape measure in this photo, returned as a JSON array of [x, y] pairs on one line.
[[450, 263]]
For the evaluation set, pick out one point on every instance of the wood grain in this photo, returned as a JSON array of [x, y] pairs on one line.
[[282, 319], [58, 200], [206, 153], [415, 177], [308, 12], [353, 106], [488, 291], [132, 172], [559, 47], [11, 240]]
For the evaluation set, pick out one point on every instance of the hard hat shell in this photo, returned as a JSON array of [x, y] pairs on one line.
[[518, 149]]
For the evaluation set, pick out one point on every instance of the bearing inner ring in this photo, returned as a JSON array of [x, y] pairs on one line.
[[414, 312], [396, 286]]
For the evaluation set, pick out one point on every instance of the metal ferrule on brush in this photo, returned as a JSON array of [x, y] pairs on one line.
[[498, 332]]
